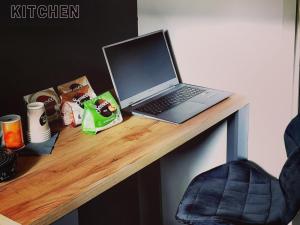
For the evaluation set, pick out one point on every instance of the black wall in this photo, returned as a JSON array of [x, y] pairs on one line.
[[39, 53]]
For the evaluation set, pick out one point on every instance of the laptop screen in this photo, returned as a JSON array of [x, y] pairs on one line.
[[139, 65]]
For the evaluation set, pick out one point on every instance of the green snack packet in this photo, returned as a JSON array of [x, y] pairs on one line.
[[100, 113]]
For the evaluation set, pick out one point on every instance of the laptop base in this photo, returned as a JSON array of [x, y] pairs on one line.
[[187, 109]]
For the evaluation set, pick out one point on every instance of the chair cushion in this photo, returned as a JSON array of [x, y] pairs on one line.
[[289, 180], [239, 192]]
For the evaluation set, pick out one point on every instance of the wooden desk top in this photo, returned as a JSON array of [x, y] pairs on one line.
[[83, 166]]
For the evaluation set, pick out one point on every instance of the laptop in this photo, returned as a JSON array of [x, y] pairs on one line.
[[146, 82]]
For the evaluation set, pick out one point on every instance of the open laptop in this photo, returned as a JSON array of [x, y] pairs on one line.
[[146, 83]]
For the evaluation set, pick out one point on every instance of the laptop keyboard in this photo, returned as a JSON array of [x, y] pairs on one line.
[[170, 100]]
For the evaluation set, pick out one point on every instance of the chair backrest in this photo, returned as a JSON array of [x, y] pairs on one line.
[[289, 180], [292, 135], [290, 174]]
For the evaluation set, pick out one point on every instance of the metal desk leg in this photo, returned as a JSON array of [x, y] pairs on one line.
[[237, 135], [69, 219], [296, 220]]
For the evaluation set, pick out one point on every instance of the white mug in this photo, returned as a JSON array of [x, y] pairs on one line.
[[38, 126], [37, 118]]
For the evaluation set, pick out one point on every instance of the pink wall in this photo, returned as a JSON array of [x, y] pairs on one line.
[[243, 46]]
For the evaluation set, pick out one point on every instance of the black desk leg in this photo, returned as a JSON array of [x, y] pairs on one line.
[[69, 219]]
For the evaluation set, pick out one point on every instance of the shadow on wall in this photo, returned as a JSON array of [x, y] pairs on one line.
[[216, 9]]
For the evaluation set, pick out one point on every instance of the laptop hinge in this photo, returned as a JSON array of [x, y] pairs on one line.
[[151, 96]]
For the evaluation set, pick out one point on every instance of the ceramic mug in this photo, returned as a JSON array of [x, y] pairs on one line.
[[38, 126], [11, 132], [37, 118]]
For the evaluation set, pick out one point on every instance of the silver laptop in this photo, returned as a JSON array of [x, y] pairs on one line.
[[146, 83]]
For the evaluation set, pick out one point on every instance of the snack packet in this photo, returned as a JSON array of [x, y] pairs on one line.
[[67, 114], [76, 85], [100, 113], [72, 105], [50, 100]]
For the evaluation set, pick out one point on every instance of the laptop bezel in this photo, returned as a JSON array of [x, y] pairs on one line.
[[151, 91]]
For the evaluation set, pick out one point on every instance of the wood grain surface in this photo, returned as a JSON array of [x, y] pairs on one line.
[[83, 166]]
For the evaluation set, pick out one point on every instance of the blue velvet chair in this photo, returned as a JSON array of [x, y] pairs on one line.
[[242, 193]]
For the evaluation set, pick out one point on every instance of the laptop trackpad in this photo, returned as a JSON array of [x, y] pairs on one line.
[[183, 112]]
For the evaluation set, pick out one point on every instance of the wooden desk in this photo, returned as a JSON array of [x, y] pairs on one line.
[[82, 166]]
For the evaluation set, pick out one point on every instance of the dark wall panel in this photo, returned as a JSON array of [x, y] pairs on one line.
[[39, 53]]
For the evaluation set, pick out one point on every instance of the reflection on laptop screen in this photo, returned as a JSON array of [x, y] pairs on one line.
[[140, 64]]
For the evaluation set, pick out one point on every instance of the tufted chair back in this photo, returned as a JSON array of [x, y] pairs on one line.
[[292, 135], [290, 174]]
